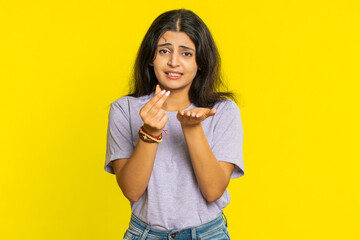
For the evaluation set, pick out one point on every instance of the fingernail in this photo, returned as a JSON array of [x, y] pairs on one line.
[[167, 93], [162, 92]]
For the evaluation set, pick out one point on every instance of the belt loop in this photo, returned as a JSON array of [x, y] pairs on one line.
[[225, 218], [145, 233], [193, 234]]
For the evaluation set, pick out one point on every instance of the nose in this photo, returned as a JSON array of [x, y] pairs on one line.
[[173, 59]]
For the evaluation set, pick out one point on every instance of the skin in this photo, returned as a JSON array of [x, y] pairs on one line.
[[133, 174], [175, 52]]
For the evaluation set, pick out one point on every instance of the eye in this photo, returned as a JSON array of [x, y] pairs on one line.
[[188, 54], [163, 51]]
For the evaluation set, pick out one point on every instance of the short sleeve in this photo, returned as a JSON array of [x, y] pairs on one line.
[[118, 143], [227, 145]]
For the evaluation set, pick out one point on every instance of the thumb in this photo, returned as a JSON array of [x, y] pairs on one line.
[[212, 112]]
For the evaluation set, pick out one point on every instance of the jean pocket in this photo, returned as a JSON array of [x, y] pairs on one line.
[[130, 235]]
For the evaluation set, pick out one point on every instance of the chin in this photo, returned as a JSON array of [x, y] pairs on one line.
[[174, 85]]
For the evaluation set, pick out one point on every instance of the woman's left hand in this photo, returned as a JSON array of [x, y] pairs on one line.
[[194, 116]]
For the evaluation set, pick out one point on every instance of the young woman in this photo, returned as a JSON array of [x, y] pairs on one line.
[[175, 142]]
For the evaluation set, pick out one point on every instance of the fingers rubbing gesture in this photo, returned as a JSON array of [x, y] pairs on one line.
[[153, 116]]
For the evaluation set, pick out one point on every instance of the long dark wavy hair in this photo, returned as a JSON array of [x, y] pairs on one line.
[[205, 88]]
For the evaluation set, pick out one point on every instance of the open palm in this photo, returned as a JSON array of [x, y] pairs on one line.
[[194, 116]]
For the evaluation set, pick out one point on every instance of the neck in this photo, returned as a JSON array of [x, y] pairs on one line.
[[177, 100]]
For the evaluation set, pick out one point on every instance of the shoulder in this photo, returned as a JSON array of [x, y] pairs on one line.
[[226, 111], [127, 102], [227, 114], [128, 106], [225, 104]]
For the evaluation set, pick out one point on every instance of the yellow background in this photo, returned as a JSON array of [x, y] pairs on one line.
[[293, 64]]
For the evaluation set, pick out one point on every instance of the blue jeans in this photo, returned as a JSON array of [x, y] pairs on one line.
[[215, 230]]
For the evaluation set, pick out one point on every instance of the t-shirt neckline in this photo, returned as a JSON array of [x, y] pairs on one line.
[[189, 107]]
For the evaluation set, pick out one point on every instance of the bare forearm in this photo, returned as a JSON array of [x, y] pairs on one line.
[[135, 175], [209, 174]]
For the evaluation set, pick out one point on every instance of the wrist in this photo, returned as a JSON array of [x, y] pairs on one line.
[[190, 126], [147, 137], [153, 132]]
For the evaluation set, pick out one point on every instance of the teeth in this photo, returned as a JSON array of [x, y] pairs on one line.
[[174, 74]]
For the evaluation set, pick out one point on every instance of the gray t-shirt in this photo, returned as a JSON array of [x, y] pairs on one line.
[[173, 199]]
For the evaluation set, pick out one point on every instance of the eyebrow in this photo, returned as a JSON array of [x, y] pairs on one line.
[[168, 44]]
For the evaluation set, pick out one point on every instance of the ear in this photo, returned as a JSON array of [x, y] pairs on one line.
[[151, 64]]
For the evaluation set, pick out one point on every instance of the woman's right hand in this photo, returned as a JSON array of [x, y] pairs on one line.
[[153, 116]]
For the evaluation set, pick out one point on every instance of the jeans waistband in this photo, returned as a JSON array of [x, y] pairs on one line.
[[144, 229]]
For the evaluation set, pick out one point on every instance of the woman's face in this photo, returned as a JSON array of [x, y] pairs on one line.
[[175, 63]]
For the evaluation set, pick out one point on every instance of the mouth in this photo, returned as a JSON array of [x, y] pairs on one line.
[[173, 74]]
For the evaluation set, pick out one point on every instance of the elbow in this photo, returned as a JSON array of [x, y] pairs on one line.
[[212, 196], [212, 199], [213, 192], [132, 198], [131, 195]]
